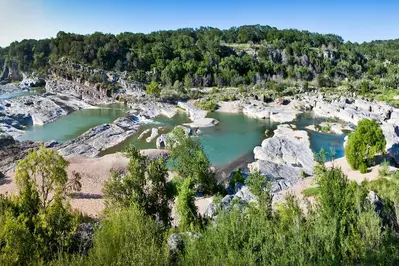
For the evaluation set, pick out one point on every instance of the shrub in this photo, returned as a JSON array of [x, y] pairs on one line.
[[207, 105], [128, 237], [237, 177], [383, 171], [363, 169], [364, 143], [153, 88]]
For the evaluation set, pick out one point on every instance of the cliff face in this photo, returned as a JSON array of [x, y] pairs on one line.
[[10, 72], [92, 85]]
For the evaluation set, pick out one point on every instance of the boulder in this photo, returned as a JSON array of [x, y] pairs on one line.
[[203, 122], [285, 157], [11, 154], [99, 138], [6, 140], [154, 134], [194, 112], [161, 141], [145, 132]]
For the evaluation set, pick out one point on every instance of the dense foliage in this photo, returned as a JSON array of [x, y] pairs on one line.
[[37, 224], [143, 185], [364, 144], [212, 57], [190, 161], [342, 227]]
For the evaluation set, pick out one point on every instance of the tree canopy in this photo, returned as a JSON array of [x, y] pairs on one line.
[[364, 144]]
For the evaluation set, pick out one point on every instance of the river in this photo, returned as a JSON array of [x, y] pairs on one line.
[[234, 137]]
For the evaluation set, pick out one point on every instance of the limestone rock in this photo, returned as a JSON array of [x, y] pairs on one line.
[[203, 122], [154, 134], [161, 141], [11, 154], [284, 157], [145, 132], [100, 138]]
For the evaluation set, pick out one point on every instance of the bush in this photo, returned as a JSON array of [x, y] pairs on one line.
[[383, 171], [363, 169], [207, 105], [364, 143], [237, 177], [188, 158], [128, 237], [311, 192], [153, 89]]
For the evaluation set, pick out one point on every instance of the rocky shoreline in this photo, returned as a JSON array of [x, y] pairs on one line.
[[276, 158]]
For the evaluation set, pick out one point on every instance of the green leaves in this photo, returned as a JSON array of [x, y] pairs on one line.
[[364, 144], [190, 161], [143, 185]]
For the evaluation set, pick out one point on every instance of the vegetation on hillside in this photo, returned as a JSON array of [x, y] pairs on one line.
[[344, 226], [239, 56]]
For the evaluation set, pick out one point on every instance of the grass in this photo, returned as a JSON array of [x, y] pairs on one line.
[[311, 192]]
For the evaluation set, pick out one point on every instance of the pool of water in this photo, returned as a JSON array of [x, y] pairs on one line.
[[21, 93], [72, 125], [234, 137]]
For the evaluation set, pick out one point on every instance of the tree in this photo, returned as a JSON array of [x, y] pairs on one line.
[[144, 185], [45, 170], [37, 224], [153, 88], [190, 161], [364, 143], [185, 206], [127, 237], [260, 187]]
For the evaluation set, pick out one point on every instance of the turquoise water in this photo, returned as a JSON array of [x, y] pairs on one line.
[[234, 137], [72, 125], [22, 93]]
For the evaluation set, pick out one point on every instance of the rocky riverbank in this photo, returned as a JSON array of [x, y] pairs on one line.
[[284, 158]]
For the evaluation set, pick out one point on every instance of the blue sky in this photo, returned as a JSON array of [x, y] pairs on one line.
[[354, 20]]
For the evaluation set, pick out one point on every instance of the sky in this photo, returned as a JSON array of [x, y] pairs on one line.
[[354, 20]]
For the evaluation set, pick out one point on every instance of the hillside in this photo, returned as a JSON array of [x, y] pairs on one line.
[[246, 55]]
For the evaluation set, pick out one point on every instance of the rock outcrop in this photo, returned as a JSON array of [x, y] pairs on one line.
[[11, 154], [6, 140], [203, 122], [16, 113], [193, 111], [274, 112], [154, 134], [285, 157], [100, 138]]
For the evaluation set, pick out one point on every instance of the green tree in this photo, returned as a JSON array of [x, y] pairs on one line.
[[127, 237], [144, 184], [153, 88], [364, 144], [190, 161], [37, 224], [185, 206]]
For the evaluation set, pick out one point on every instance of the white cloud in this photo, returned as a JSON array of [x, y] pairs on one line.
[[22, 19]]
